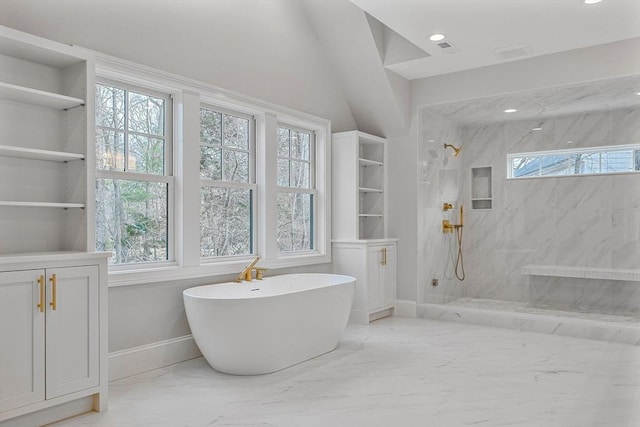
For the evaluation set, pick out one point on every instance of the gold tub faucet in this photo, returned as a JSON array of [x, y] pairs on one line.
[[247, 272]]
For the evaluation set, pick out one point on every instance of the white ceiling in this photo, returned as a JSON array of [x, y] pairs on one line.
[[479, 28]]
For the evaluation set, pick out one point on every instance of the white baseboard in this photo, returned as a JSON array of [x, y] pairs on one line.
[[406, 308], [136, 360]]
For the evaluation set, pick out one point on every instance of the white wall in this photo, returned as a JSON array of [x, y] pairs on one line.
[[264, 49]]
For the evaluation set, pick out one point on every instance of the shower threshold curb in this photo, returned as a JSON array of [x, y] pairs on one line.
[[624, 333]]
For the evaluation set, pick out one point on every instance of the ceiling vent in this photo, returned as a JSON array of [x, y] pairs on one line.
[[447, 47], [512, 52]]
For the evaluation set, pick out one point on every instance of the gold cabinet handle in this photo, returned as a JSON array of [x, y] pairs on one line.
[[54, 283], [41, 288], [383, 257]]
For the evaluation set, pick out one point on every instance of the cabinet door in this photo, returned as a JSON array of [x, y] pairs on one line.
[[21, 338], [72, 330], [374, 263], [388, 274]]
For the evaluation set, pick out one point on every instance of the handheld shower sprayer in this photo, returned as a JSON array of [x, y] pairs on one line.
[[448, 227], [456, 150]]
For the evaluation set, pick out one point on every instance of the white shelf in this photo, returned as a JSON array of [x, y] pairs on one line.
[[369, 190], [581, 272], [41, 204], [370, 215], [368, 162], [38, 97], [36, 154]]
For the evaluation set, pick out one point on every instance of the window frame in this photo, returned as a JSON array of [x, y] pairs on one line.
[[168, 176], [251, 185], [582, 150]]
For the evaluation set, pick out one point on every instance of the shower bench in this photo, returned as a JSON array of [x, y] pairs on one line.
[[581, 272]]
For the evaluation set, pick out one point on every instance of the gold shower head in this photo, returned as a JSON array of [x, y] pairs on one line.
[[456, 150]]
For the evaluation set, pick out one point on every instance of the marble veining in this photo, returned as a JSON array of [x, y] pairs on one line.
[[400, 372]]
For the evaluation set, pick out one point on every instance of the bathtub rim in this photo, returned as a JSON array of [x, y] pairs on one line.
[[187, 293]]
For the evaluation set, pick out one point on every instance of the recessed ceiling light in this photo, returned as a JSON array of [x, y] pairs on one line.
[[538, 128], [637, 93], [510, 110], [436, 37], [569, 142], [592, 1]]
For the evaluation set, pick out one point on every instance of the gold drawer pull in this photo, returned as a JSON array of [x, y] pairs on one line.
[[53, 302]]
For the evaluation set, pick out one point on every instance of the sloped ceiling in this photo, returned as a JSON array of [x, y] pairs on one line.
[[357, 47]]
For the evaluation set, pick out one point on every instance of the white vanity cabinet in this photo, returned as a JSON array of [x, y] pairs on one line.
[[53, 334], [374, 265]]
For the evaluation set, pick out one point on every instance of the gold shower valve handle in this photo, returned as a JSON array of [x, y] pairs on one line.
[[447, 227]]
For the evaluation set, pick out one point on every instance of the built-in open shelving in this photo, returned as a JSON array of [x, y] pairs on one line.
[[368, 162], [370, 190], [44, 188], [359, 201], [37, 154], [41, 204], [29, 95]]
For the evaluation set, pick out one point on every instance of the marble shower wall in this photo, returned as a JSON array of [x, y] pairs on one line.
[[589, 221], [439, 182]]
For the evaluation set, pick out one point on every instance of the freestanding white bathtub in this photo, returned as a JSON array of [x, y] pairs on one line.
[[266, 325]]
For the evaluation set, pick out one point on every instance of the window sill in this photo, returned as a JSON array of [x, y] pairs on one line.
[[213, 270]]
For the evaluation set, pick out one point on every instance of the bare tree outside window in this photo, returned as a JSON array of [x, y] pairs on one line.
[[132, 190], [227, 184], [296, 190]]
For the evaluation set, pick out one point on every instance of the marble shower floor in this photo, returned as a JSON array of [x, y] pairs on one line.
[[400, 372]]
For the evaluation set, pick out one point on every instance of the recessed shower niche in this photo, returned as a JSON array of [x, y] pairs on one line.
[[481, 192]]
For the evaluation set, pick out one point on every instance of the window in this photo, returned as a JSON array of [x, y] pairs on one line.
[[227, 183], [193, 182], [296, 189], [583, 161], [134, 183]]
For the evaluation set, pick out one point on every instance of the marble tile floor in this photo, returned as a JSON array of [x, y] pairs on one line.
[[521, 316], [400, 372]]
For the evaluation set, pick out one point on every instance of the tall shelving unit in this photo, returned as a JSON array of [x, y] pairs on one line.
[[360, 245], [46, 102], [53, 285], [359, 186]]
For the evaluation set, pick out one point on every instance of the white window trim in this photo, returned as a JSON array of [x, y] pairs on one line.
[[184, 91], [598, 149], [313, 177], [251, 185], [160, 92]]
